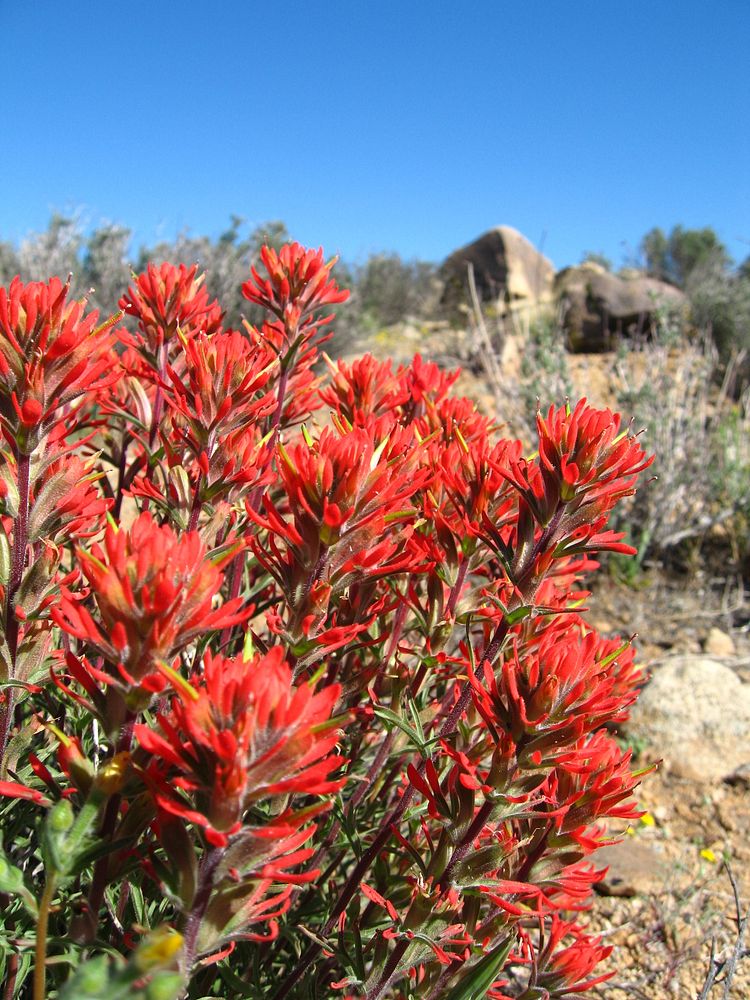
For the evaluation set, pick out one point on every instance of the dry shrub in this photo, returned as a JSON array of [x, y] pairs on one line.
[[701, 433]]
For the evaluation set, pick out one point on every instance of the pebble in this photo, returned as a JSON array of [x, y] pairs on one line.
[[719, 643]]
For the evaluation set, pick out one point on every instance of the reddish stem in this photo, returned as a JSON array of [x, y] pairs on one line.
[[121, 469], [158, 398], [17, 564], [457, 588], [195, 509], [194, 919], [464, 846], [389, 970]]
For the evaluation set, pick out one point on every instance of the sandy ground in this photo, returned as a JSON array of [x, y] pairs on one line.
[[668, 895]]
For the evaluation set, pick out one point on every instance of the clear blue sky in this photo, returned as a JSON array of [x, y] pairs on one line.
[[411, 125]]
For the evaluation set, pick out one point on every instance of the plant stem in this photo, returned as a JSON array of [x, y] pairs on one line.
[[392, 820], [40, 955], [17, 564], [389, 971], [195, 509], [457, 588], [121, 468], [463, 848], [87, 920], [10, 979], [438, 990], [158, 398], [194, 919]]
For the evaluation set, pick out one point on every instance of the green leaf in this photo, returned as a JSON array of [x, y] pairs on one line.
[[35, 584], [396, 720], [44, 517], [12, 882], [519, 614], [138, 904], [478, 979]]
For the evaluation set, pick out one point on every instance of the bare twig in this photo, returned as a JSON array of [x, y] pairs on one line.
[[727, 963]]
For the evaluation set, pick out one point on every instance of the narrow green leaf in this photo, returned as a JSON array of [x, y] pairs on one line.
[[478, 979]]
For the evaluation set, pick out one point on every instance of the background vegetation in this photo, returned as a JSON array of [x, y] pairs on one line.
[[688, 388]]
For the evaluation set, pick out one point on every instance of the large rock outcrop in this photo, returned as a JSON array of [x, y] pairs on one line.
[[509, 272], [597, 307]]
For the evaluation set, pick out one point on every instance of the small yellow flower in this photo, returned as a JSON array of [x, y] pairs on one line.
[[709, 855], [648, 820], [158, 949], [111, 776]]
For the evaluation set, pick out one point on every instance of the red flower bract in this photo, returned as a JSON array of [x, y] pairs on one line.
[[154, 591], [50, 353], [217, 398], [564, 685], [169, 298], [299, 282], [241, 732], [589, 456]]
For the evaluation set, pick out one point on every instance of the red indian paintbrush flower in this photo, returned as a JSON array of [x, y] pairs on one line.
[[167, 299], [594, 780], [239, 733], [560, 972], [364, 389], [299, 282], [66, 502], [50, 354], [584, 453], [154, 591], [563, 686], [218, 388], [344, 495]]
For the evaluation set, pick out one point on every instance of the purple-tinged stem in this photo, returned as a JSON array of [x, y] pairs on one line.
[[456, 589], [159, 397], [121, 469], [389, 971], [17, 565], [197, 505], [194, 919], [464, 846]]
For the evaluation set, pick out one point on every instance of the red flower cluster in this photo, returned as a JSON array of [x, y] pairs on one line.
[[426, 721], [299, 282], [50, 354], [167, 300], [154, 592], [238, 733]]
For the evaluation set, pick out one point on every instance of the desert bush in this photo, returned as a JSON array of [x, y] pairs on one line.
[[701, 434], [296, 696], [720, 304], [674, 257], [697, 261], [390, 289]]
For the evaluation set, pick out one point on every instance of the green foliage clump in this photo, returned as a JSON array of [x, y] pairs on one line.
[[698, 262]]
